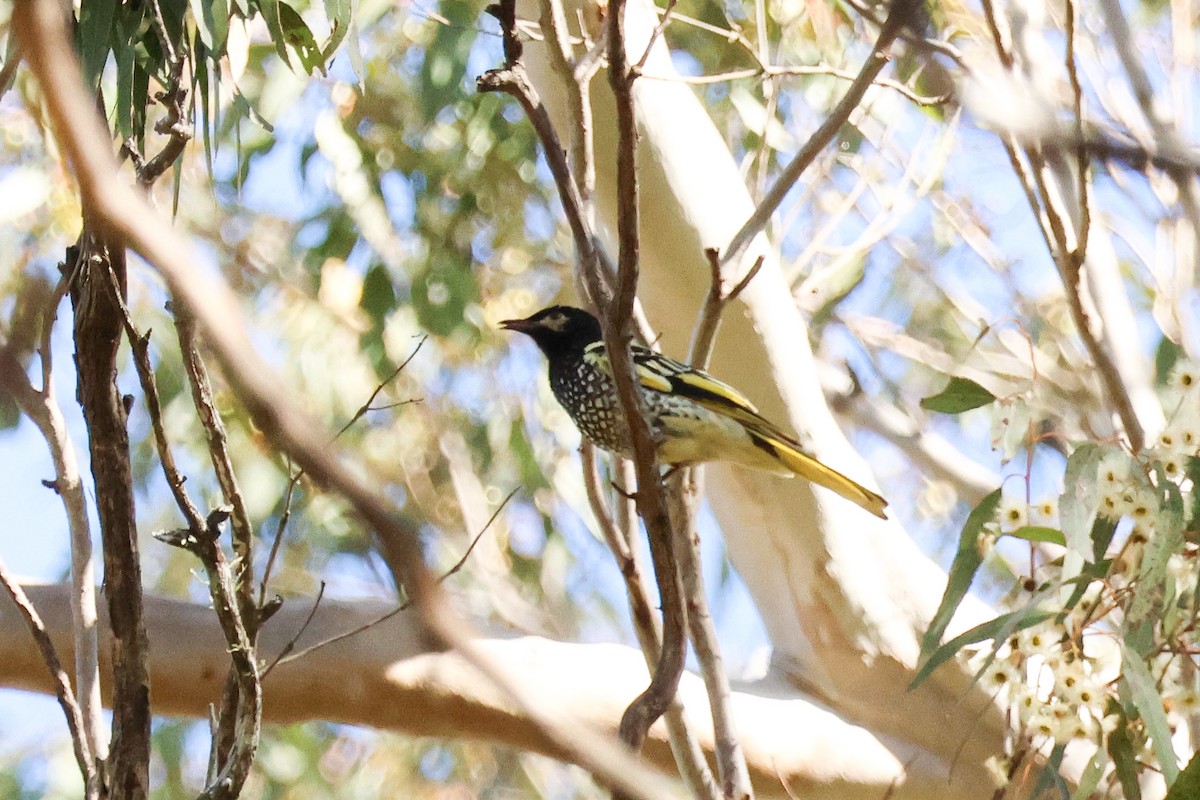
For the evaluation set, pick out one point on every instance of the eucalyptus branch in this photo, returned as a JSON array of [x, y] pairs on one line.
[[689, 756], [901, 13], [62, 684], [222, 461], [288, 654], [1066, 238], [41, 406], [651, 499], [247, 715], [686, 490]]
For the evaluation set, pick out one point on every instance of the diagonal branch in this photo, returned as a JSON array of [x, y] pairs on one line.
[[62, 684], [898, 17]]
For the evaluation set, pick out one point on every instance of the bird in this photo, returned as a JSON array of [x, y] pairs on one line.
[[693, 416]]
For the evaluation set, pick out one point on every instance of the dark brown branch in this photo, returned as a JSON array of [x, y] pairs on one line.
[[222, 461], [286, 655], [98, 330], [618, 334], [247, 715], [62, 684]]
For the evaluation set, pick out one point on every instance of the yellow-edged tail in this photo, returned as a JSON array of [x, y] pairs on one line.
[[813, 470]]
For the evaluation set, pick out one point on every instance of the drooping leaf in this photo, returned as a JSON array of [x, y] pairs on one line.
[[962, 571], [125, 89], [997, 629], [1050, 777], [961, 394], [95, 37], [1091, 776], [300, 38], [340, 14], [212, 24], [1148, 592], [1148, 701], [1077, 512], [354, 48], [1120, 748]]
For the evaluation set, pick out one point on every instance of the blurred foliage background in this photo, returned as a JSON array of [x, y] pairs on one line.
[[371, 208]]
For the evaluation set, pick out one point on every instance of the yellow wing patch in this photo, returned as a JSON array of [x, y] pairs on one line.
[[707, 384], [662, 374]]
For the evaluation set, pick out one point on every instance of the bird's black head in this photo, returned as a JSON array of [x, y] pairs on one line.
[[558, 330]]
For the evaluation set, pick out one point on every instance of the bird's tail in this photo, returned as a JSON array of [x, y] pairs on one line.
[[804, 465]]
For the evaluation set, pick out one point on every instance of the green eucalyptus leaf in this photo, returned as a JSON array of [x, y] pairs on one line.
[[961, 394], [1039, 533], [1091, 776], [95, 33], [1148, 701], [1120, 748], [212, 23], [962, 572], [1187, 785], [340, 14], [997, 629]]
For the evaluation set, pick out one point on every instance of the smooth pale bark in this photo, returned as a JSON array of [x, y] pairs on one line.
[[387, 677], [845, 597]]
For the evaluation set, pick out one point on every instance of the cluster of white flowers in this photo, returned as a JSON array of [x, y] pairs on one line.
[[1181, 438], [1014, 513], [1052, 688], [1125, 492]]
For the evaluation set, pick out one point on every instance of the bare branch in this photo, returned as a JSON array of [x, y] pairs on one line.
[[689, 756], [898, 17], [62, 684], [222, 461], [247, 716], [286, 655], [43, 409], [618, 334]]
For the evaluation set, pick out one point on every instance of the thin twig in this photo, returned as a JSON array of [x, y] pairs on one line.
[[291, 644], [286, 655], [286, 514], [715, 303], [139, 345], [657, 33], [899, 15], [365, 407], [62, 684], [686, 494], [765, 73], [222, 461]]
